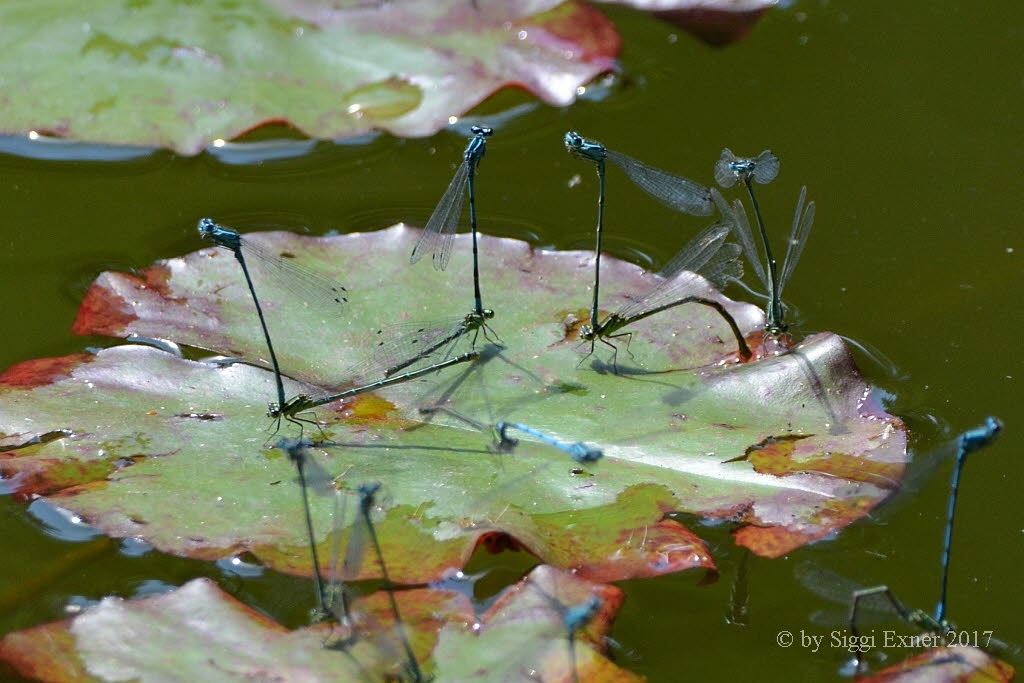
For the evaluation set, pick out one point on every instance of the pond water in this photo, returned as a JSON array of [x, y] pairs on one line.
[[904, 123]]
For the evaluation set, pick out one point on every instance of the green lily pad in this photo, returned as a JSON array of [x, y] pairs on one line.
[[526, 635], [215, 637], [160, 73], [789, 448]]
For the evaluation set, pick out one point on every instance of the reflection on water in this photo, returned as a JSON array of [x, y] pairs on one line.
[[61, 524], [245, 153], [44, 147], [273, 153], [491, 223], [621, 247]]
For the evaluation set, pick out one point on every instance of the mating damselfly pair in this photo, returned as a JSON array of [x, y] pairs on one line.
[[881, 599], [407, 352], [399, 349], [708, 255]]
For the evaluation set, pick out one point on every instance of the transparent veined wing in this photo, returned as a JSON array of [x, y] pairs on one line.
[[803, 221], [676, 192], [439, 233]]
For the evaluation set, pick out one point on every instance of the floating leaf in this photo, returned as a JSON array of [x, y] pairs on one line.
[[526, 636], [198, 632], [788, 448], [717, 22], [960, 664], [160, 73]]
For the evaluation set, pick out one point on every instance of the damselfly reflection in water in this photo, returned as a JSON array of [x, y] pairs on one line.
[[337, 596], [311, 288], [774, 282], [310, 475], [675, 191], [560, 606], [706, 258], [823, 582], [875, 605], [575, 617], [439, 233]]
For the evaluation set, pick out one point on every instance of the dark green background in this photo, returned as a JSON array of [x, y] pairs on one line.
[[903, 120]]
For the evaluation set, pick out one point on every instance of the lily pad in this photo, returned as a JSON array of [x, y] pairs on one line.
[[789, 448], [526, 634], [215, 637], [961, 664], [160, 73], [716, 22]]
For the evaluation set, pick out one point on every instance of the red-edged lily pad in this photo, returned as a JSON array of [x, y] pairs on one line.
[[717, 22], [959, 664], [789, 448], [160, 73], [198, 632], [527, 634]]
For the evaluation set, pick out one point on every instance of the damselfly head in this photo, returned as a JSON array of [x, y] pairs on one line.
[[994, 425], [973, 439], [223, 237], [584, 149], [474, 320], [729, 168], [477, 146], [206, 227], [578, 616], [587, 333], [503, 443], [290, 407]]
